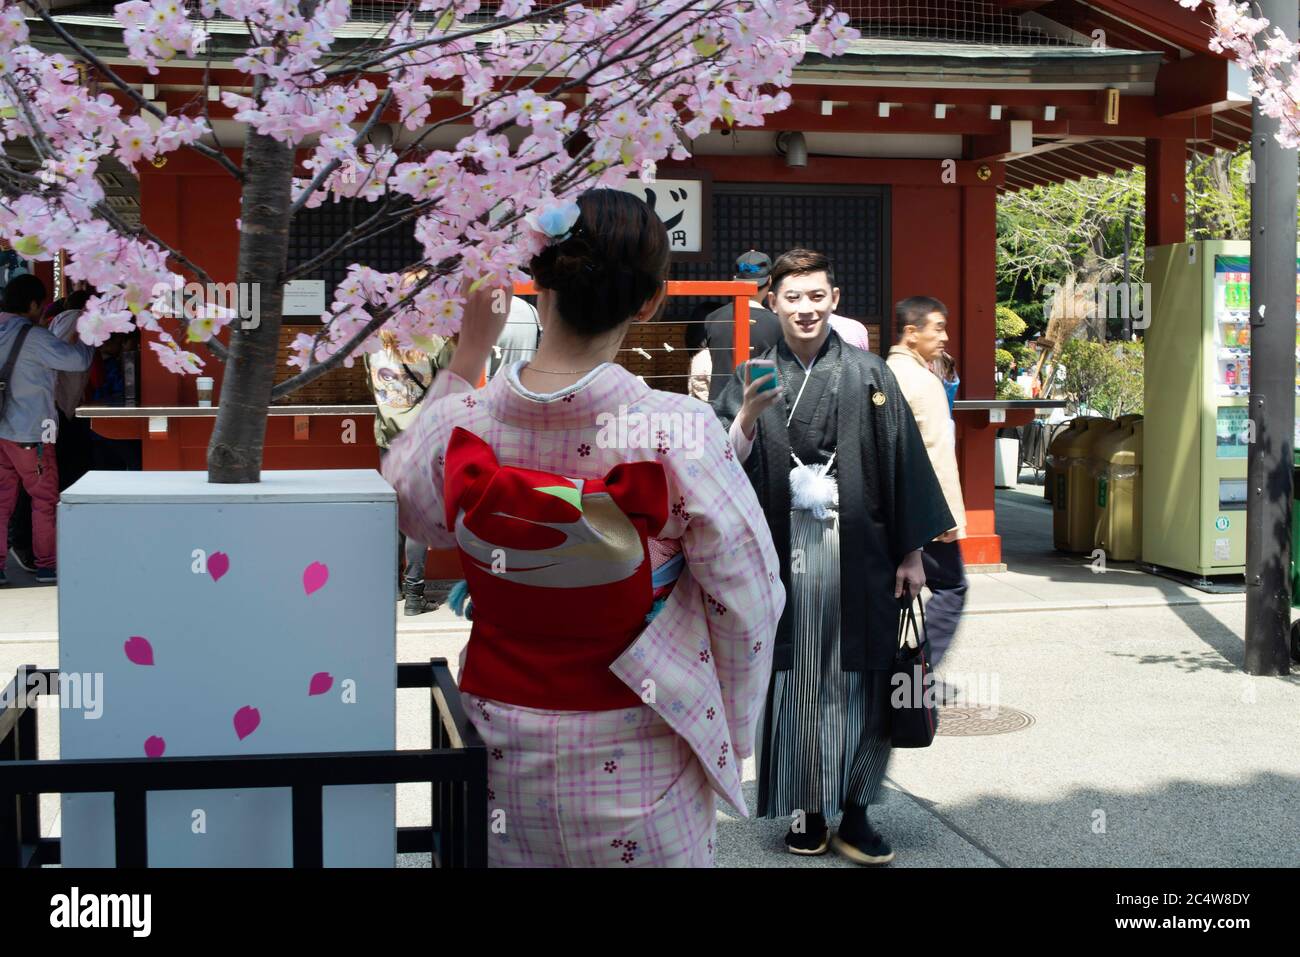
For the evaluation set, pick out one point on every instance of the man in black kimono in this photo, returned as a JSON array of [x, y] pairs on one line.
[[843, 475]]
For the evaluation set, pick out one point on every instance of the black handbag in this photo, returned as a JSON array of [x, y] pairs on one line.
[[914, 711]]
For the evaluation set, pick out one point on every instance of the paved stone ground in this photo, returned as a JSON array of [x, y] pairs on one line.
[[1148, 746]]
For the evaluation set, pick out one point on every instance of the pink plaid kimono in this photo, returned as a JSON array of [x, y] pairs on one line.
[[628, 787]]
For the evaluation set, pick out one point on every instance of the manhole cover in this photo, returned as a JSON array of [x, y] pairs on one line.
[[982, 720]]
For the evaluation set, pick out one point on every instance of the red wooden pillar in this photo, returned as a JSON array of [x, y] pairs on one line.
[[192, 204], [1166, 183], [982, 545], [162, 204]]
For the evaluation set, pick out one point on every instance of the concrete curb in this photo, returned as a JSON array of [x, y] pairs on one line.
[[1106, 604]]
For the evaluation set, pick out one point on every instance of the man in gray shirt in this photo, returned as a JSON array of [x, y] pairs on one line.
[[29, 422]]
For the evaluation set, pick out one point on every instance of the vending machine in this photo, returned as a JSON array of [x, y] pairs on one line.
[[1198, 426]]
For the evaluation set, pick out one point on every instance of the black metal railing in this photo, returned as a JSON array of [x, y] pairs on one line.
[[455, 767]]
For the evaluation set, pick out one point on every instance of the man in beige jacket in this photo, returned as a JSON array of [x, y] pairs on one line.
[[921, 324]]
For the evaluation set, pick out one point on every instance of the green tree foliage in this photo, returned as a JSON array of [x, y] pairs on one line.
[[1106, 377], [1023, 355], [1218, 196], [1048, 234], [1008, 325], [1004, 360], [1052, 233]]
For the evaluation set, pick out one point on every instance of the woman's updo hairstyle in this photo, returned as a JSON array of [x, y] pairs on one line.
[[614, 261]]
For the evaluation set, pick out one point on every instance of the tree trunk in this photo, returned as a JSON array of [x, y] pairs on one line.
[[235, 452]]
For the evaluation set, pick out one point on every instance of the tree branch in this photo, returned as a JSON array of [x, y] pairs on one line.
[[201, 148], [324, 173]]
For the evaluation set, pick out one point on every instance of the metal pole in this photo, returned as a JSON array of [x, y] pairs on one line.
[[1128, 288], [1272, 382]]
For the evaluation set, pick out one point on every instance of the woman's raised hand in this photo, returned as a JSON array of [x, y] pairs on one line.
[[484, 317]]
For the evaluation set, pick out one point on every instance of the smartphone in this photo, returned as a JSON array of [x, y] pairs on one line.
[[760, 368]]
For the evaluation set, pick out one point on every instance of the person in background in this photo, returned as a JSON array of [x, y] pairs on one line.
[[73, 446], [697, 344], [519, 339], [945, 367], [921, 324], [73, 440], [400, 379], [107, 386], [851, 331], [11, 265], [29, 421], [764, 327]]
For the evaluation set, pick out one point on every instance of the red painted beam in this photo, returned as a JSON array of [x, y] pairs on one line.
[[1122, 150], [1137, 118], [987, 148], [1191, 87], [835, 169], [1072, 158], [929, 95], [1038, 173], [1236, 119], [1118, 163], [1059, 164], [1188, 29], [1017, 180]]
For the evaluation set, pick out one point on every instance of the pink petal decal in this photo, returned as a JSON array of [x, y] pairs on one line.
[[138, 650], [314, 576], [154, 747], [321, 682], [247, 719], [218, 565]]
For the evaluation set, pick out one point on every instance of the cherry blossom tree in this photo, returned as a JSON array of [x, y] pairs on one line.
[[1271, 60], [561, 97]]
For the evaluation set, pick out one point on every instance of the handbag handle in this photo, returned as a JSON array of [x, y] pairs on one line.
[[908, 617]]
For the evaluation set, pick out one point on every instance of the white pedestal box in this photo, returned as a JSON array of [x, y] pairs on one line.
[[1006, 463], [230, 619]]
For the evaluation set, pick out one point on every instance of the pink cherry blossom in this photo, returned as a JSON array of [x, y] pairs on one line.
[[653, 71]]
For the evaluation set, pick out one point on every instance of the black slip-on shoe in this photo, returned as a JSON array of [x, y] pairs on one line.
[[813, 841], [47, 576], [4, 579], [872, 850]]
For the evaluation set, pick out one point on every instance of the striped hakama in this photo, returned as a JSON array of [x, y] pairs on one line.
[[830, 730]]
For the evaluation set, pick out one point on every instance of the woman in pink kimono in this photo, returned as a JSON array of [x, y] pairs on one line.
[[564, 483]]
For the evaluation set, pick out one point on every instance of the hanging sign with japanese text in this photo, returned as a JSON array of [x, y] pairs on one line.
[[684, 206]]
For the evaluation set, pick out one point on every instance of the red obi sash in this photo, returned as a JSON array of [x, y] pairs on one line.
[[558, 573]]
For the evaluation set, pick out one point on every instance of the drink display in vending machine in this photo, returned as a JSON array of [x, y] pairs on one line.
[[1232, 325]]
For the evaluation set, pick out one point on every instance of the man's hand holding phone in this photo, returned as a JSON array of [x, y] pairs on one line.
[[761, 391]]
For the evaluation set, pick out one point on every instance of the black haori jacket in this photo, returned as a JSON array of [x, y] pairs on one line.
[[890, 501]]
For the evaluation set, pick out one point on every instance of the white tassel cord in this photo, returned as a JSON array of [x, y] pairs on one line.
[[812, 489]]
